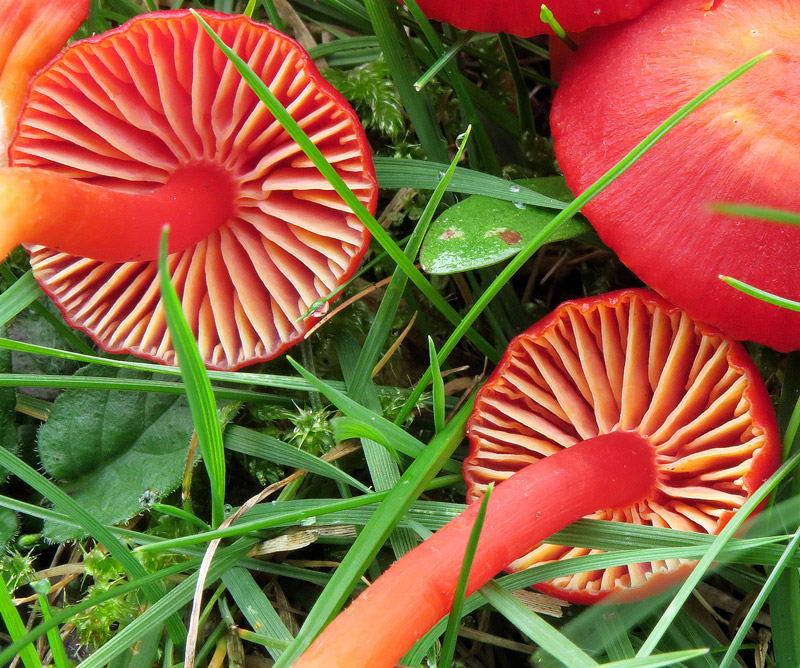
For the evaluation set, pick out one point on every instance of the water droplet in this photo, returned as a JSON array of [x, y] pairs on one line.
[[441, 174], [514, 188], [519, 205], [308, 521]]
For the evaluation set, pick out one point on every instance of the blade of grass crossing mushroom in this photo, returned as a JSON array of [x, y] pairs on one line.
[[91, 526], [454, 618], [438, 388], [760, 212], [15, 627], [536, 628], [315, 155], [736, 522], [763, 295], [198, 388], [755, 607], [369, 541], [570, 210]]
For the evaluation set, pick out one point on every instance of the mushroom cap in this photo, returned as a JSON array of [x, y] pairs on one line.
[[131, 107], [742, 145], [629, 361], [33, 32], [521, 17]]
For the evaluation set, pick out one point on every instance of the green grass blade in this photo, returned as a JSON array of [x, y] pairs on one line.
[[16, 628], [454, 618], [255, 606], [667, 659], [396, 47], [758, 212], [437, 388], [198, 388], [396, 173], [369, 541], [263, 446], [755, 606], [166, 606], [18, 296], [315, 155], [712, 553], [532, 625], [91, 526], [571, 209], [762, 295], [390, 432], [362, 374]]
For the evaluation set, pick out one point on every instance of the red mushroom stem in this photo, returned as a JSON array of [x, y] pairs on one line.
[[42, 207], [384, 622]]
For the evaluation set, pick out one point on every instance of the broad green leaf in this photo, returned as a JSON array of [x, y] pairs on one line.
[[8, 525], [111, 446], [480, 231]]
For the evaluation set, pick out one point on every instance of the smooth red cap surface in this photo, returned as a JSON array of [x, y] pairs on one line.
[[743, 146], [628, 361], [521, 17], [131, 108]]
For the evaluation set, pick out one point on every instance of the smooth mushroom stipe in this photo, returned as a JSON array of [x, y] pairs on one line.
[[32, 33], [742, 145], [620, 403], [150, 124]]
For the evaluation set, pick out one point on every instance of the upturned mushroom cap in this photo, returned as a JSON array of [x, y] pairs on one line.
[[32, 33], [521, 17], [629, 362], [743, 145], [155, 105]]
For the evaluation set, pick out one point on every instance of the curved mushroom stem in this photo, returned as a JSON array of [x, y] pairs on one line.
[[384, 622], [68, 215], [33, 32]]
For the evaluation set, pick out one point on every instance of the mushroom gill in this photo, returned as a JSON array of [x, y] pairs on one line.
[[130, 111], [628, 362]]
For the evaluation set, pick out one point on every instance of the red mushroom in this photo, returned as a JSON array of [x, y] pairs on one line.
[[521, 17], [742, 145], [151, 124], [620, 403], [33, 32]]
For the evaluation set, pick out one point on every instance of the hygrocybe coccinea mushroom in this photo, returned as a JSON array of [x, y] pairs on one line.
[[521, 17], [151, 124], [742, 145], [619, 407]]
